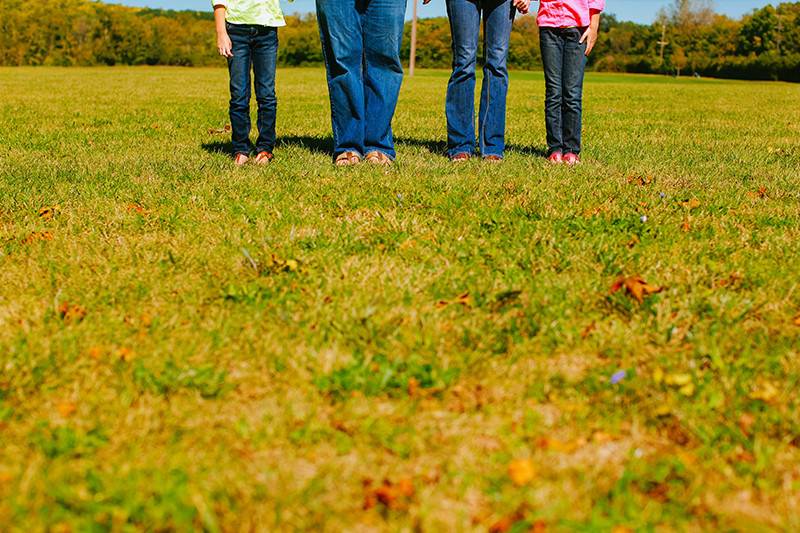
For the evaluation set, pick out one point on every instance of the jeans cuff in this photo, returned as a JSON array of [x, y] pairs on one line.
[[461, 150], [340, 151]]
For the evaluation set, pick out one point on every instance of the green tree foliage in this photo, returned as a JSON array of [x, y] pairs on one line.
[[763, 45]]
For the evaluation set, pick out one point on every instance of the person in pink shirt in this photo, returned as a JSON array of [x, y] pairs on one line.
[[567, 33]]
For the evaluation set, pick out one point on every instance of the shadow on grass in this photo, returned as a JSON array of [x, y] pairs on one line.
[[324, 145], [319, 145], [440, 147]]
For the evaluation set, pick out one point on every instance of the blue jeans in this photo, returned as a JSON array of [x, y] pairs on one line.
[[465, 26], [564, 60], [254, 47], [361, 45]]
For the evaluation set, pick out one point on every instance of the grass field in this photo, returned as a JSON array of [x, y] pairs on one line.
[[186, 345]]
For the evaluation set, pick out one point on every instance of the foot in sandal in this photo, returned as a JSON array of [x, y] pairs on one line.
[[346, 159], [264, 158], [378, 158], [240, 159]]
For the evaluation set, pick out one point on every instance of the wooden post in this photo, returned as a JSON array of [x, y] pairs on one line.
[[663, 42], [412, 60]]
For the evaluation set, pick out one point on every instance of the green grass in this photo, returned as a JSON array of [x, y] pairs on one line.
[[252, 348]]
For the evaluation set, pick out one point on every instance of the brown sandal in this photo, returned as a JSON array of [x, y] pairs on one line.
[[460, 157], [264, 158], [346, 159], [378, 158]]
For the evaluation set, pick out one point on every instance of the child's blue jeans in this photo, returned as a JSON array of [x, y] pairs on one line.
[[256, 48], [564, 60]]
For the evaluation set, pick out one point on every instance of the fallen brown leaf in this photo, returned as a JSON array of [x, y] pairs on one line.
[[47, 212], [38, 236], [640, 180], [746, 422], [413, 386], [731, 280], [540, 526], [125, 354], [219, 131], [635, 287], [71, 312], [395, 496], [462, 299], [692, 203], [761, 193]]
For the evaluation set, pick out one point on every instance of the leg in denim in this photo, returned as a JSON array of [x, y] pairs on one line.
[[572, 89], [265, 57], [552, 46], [465, 25], [239, 69], [343, 49], [382, 21], [498, 18]]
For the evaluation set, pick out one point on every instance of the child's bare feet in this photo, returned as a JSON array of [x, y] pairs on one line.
[[264, 158], [240, 159]]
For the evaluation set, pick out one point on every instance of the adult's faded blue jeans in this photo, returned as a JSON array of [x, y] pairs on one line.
[[465, 24], [256, 48], [564, 61], [361, 45]]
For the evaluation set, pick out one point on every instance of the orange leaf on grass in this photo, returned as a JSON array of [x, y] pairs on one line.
[[71, 312], [521, 471], [462, 299], [396, 496], [636, 287], [413, 386], [588, 330], [640, 180], [692, 203], [219, 131], [125, 354], [38, 236], [137, 208], [47, 212], [66, 409], [507, 522]]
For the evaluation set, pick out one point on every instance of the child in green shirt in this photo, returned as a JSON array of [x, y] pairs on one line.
[[247, 34]]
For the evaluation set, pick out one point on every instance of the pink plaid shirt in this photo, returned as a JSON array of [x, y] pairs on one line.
[[567, 13]]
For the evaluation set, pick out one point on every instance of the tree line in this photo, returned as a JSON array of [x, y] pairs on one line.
[[689, 38]]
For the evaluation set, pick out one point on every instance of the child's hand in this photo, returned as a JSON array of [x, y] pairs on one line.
[[590, 35], [224, 45], [523, 6]]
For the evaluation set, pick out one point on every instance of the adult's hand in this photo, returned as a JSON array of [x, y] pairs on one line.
[[523, 6]]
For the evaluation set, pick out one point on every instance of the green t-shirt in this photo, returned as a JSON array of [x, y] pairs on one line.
[[261, 12]]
